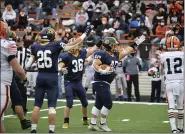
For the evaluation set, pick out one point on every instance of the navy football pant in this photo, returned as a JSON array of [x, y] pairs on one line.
[[46, 83], [72, 88], [103, 95]]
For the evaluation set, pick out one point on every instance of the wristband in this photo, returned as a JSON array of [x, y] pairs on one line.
[[82, 37]]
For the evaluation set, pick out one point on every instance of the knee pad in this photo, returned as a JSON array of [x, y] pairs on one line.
[[51, 110], [95, 111], [104, 111], [108, 105]]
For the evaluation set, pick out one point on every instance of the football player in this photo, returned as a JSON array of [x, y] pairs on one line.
[[72, 64], [103, 79], [46, 54], [173, 66], [8, 62]]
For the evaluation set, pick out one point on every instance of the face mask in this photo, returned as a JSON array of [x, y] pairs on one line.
[[103, 22], [97, 11], [116, 4], [126, 1], [162, 23], [82, 11]]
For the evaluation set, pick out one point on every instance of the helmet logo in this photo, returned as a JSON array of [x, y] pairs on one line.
[[107, 42]]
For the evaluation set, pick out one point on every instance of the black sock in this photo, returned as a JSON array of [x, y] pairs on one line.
[[66, 120], [84, 118]]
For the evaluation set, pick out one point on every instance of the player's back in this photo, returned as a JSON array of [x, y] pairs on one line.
[[47, 56], [173, 65], [7, 49]]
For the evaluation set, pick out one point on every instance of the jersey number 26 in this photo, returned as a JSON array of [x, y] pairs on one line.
[[44, 60]]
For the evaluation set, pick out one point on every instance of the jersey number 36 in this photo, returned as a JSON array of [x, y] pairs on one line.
[[44, 60]]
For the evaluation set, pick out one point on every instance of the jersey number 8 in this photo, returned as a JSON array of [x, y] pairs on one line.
[[44, 61]]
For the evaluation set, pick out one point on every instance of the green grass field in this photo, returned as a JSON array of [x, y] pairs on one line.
[[127, 118]]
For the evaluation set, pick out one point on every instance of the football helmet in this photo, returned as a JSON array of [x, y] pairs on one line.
[[47, 34], [110, 44], [172, 43], [4, 32]]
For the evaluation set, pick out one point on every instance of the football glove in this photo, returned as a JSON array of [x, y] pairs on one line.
[[104, 72], [89, 29]]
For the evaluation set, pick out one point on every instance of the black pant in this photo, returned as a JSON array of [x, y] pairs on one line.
[[156, 86], [23, 92], [135, 80]]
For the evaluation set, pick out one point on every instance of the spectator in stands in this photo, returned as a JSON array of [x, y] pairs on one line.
[[89, 7], [125, 16], [49, 6], [96, 18], [120, 26], [103, 6], [126, 6], [9, 15], [68, 35], [23, 22], [87, 4], [161, 15], [181, 18], [33, 7], [135, 22], [61, 3], [16, 5], [179, 32], [141, 29], [81, 19], [146, 20], [29, 34], [115, 9], [102, 27], [144, 50], [174, 8], [130, 68], [160, 32], [46, 23]]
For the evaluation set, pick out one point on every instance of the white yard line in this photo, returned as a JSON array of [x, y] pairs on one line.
[[7, 116], [115, 102]]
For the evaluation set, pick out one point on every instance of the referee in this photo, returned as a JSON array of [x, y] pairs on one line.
[[23, 54]]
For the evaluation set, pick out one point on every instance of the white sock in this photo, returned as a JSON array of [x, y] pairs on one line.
[[172, 123], [103, 120], [33, 126], [180, 121], [93, 121], [52, 127]]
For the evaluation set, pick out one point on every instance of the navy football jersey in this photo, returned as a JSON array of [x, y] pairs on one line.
[[75, 65], [47, 56], [107, 59]]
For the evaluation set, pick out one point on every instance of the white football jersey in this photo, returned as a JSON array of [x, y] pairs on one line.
[[173, 65], [7, 49]]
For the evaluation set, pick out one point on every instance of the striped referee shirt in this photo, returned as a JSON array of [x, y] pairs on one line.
[[23, 55]]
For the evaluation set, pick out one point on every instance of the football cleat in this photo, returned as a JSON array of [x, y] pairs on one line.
[[180, 130], [25, 124], [33, 131], [85, 122], [93, 128], [50, 131], [105, 128], [174, 131], [65, 125]]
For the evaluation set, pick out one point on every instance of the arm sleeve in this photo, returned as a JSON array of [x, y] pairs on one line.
[[99, 55], [63, 58]]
